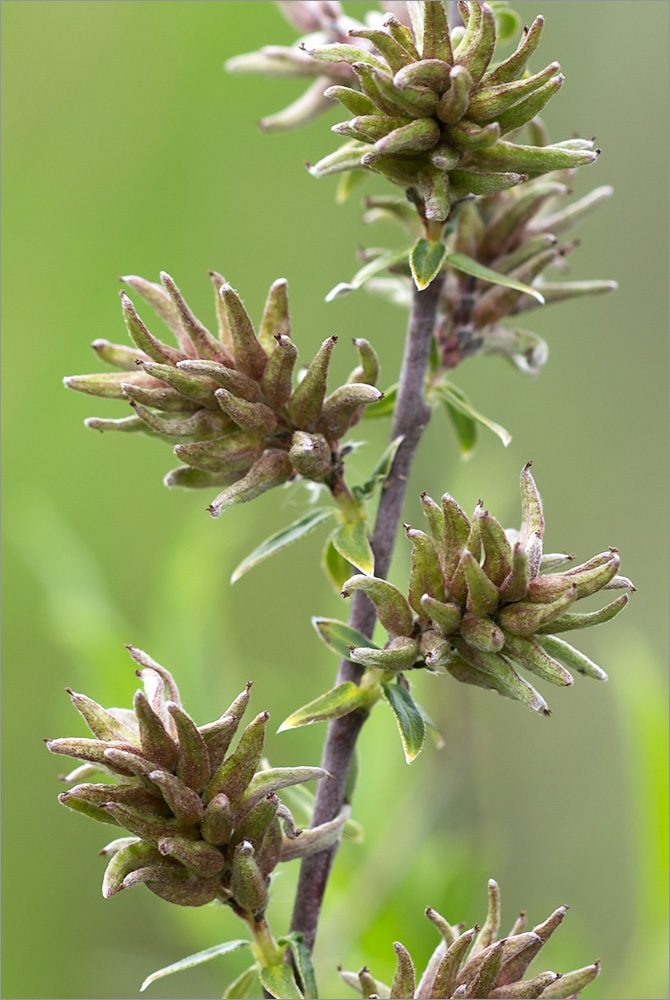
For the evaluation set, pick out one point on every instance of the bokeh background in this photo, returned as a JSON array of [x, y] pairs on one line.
[[128, 150]]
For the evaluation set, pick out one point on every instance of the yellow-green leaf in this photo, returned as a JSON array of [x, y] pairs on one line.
[[339, 701], [452, 395], [279, 982], [351, 541], [196, 959], [426, 260], [339, 636]]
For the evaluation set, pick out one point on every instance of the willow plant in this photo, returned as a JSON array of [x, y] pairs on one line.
[[482, 197]]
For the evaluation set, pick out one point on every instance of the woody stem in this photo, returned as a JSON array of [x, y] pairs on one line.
[[410, 418]]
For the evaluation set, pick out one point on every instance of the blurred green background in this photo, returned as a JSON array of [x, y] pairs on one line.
[[127, 150]]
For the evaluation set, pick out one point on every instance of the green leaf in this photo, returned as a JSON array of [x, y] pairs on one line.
[[385, 406], [280, 539], [387, 259], [460, 262], [351, 541], [409, 719], [335, 566], [426, 259], [339, 701], [438, 739], [279, 982], [465, 427], [197, 959], [303, 961], [348, 182], [239, 988], [340, 637], [380, 471], [452, 395]]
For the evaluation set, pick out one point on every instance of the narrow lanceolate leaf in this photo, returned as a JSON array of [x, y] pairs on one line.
[[460, 262], [197, 959], [341, 700], [452, 395], [409, 718], [380, 472], [372, 267], [385, 406], [239, 988], [351, 541], [280, 539], [340, 637], [465, 427], [279, 981], [335, 566], [426, 259], [303, 961]]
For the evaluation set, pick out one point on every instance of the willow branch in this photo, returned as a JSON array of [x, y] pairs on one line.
[[410, 419]]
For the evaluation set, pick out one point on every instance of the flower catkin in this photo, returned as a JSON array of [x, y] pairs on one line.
[[204, 822], [477, 963], [230, 401], [483, 601]]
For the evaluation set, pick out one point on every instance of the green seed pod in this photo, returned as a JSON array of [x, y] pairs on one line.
[[497, 551], [404, 980], [202, 425], [272, 469], [102, 723], [149, 827], [306, 402], [483, 595], [528, 988], [97, 794], [504, 677], [184, 803], [157, 744], [395, 54], [417, 102], [528, 653], [234, 775], [587, 581], [196, 479], [400, 654], [489, 102], [368, 370], [109, 385], [417, 135], [447, 974], [393, 609], [247, 883], [455, 100], [276, 321], [514, 66], [250, 357], [145, 341], [218, 737], [402, 35], [193, 760], [446, 616], [571, 983], [225, 335], [426, 577], [466, 136], [274, 778], [159, 300], [277, 380], [525, 617], [430, 73], [269, 853], [235, 453], [482, 633], [537, 159], [219, 821], [571, 657], [342, 407], [201, 858], [118, 355], [568, 622], [316, 839], [355, 102], [257, 418], [435, 190], [514, 968], [527, 109], [310, 455], [437, 651], [92, 751], [205, 344], [135, 855], [176, 885], [235, 382], [481, 182], [254, 825], [192, 386]]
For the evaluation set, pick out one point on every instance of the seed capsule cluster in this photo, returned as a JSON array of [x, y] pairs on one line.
[[432, 110], [483, 601], [475, 963], [230, 400], [205, 823], [518, 233]]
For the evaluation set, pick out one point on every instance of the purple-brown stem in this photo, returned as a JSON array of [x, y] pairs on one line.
[[410, 418]]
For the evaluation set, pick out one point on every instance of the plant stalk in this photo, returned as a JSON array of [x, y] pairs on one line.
[[410, 419]]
